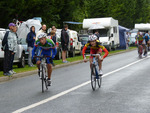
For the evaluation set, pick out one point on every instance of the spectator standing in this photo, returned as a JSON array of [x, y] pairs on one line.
[[52, 35], [9, 44], [30, 40], [64, 43], [43, 30], [97, 34]]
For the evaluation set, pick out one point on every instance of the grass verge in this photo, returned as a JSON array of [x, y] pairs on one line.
[[58, 62]]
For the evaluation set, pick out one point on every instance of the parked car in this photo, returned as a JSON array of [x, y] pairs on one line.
[[74, 43], [84, 39], [19, 57], [25, 46]]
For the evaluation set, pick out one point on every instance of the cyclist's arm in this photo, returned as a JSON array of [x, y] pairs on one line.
[[54, 52], [106, 53], [84, 49], [105, 50], [33, 51]]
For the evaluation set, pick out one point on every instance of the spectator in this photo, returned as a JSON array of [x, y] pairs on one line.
[[43, 30], [9, 44], [52, 35], [97, 34], [30, 40], [53, 27], [64, 43]]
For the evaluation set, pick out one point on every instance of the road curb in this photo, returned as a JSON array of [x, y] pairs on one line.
[[28, 73]]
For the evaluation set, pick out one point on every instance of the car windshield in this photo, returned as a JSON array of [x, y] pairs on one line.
[[83, 39], [104, 32]]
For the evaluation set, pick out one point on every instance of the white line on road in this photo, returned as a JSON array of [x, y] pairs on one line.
[[70, 90]]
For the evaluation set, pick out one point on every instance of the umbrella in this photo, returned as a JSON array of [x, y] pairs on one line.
[[24, 28], [96, 26]]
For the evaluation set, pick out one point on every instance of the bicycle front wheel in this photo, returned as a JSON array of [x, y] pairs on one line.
[[42, 78], [99, 81], [93, 77]]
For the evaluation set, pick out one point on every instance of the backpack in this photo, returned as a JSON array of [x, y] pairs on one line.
[[5, 41]]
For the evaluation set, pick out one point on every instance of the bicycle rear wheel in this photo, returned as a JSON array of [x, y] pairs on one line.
[[99, 81], [93, 77]]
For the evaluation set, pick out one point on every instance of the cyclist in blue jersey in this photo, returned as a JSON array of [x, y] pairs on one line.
[[44, 47]]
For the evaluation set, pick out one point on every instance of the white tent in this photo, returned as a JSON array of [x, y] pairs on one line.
[[24, 28]]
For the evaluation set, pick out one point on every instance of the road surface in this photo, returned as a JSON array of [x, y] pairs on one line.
[[125, 89]]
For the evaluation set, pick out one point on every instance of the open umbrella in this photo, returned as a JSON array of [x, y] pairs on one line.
[[24, 28], [96, 26]]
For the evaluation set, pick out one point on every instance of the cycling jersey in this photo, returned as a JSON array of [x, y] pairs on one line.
[[146, 38], [95, 48], [47, 49], [139, 38]]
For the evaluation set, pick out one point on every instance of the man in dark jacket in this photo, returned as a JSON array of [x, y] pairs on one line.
[[30, 40], [64, 42]]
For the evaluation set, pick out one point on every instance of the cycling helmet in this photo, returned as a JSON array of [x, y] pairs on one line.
[[41, 35], [92, 37]]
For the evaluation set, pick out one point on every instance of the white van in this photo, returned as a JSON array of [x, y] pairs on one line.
[[108, 30], [142, 27], [74, 43]]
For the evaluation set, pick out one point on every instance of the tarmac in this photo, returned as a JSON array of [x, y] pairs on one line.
[[28, 73]]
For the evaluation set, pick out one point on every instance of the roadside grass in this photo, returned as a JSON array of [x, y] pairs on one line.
[[58, 62]]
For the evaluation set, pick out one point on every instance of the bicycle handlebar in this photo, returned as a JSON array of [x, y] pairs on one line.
[[45, 56], [92, 54]]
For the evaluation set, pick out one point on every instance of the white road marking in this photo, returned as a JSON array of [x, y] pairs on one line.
[[72, 89]]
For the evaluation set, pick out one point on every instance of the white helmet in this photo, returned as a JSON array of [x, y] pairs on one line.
[[41, 35], [92, 37]]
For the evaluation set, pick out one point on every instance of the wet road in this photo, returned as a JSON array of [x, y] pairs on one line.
[[125, 89]]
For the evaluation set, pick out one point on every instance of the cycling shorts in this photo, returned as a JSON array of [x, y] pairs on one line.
[[95, 51], [43, 52]]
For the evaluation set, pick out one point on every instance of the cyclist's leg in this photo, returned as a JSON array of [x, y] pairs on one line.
[[49, 70], [49, 65], [99, 51], [92, 51], [38, 64]]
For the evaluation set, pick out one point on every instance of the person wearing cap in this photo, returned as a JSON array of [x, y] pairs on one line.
[[9, 44], [46, 47], [42, 30]]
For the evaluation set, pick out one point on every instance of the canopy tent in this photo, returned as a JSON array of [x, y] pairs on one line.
[[122, 37], [38, 18], [70, 22], [24, 28]]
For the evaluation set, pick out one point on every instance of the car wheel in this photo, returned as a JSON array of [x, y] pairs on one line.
[[72, 54], [67, 54], [22, 61], [109, 48], [1, 66]]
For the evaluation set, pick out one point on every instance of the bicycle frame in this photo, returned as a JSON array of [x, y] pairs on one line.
[[43, 69], [94, 72]]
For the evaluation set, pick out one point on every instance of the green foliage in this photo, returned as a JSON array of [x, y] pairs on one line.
[[54, 12]]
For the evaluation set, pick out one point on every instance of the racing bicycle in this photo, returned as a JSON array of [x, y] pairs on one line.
[[95, 78], [43, 71]]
